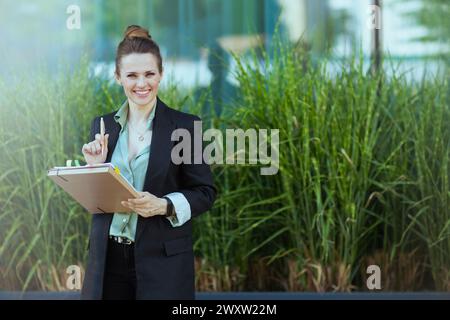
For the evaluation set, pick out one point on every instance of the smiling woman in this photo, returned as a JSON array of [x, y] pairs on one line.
[[139, 65], [146, 254], [140, 85]]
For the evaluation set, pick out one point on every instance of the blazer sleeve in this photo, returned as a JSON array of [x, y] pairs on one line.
[[197, 183]]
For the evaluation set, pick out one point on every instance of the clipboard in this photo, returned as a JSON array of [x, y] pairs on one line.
[[98, 188]]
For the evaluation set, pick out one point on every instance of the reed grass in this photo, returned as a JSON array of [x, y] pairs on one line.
[[363, 168], [363, 178]]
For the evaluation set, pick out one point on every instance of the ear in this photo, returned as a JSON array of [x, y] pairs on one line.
[[117, 79]]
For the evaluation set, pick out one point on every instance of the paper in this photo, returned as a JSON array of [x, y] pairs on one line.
[[99, 188]]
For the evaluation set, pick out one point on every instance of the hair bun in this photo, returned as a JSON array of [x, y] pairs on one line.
[[135, 31]]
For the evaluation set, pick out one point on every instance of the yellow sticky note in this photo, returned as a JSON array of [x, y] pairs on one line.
[[117, 170]]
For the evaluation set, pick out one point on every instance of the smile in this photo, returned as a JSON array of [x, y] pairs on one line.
[[142, 93]]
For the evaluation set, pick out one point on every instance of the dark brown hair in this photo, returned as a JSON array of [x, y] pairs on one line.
[[137, 40]]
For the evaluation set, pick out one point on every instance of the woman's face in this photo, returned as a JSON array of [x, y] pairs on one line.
[[140, 77]]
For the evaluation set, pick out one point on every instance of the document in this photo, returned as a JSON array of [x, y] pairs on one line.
[[99, 188]]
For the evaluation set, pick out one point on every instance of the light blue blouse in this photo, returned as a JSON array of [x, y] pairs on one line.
[[124, 224]]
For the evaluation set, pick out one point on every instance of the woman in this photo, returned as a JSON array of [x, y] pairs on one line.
[[146, 254]]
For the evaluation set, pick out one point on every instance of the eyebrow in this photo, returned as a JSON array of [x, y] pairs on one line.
[[130, 72]]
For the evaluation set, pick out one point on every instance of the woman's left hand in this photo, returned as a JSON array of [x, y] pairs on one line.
[[147, 205]]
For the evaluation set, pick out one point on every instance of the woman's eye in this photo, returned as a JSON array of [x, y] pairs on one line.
[[150, 74], [131, 76]]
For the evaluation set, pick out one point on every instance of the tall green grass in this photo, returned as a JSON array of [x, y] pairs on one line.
[[363, 177], [364, 168], [44, 121]]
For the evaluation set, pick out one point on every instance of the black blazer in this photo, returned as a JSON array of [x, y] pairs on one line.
[[164, 258]]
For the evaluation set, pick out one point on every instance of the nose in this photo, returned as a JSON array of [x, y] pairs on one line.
[[141, 82]]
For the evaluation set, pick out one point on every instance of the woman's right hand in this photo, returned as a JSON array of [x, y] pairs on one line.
[[92, 151]]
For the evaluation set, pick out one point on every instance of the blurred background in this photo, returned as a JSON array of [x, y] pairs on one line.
[[359, 90], [414, 31]]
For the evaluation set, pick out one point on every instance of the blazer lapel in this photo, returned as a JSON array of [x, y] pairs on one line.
[[159, 160]]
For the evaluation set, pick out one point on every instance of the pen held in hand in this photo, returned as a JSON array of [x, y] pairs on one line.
[[102, 133]]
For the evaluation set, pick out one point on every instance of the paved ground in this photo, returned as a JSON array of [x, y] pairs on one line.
[[253, 296]]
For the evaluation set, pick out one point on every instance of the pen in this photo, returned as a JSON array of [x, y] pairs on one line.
[[102, 133]]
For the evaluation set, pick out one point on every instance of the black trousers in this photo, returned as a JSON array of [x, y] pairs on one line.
[[119, 282]]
